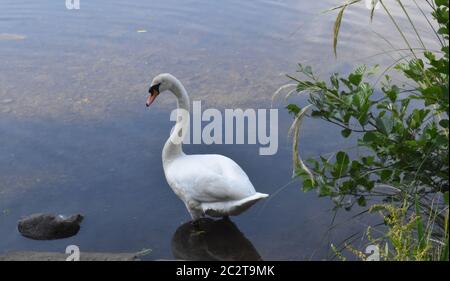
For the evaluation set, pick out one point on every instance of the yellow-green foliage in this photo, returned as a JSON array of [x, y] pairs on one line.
[[407, 238], [402, 234]]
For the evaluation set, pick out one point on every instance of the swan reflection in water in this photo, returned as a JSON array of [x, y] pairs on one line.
[[214, 240]]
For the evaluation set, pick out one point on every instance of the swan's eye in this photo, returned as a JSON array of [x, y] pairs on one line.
[[154, 89]]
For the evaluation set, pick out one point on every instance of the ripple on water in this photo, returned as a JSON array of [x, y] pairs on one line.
[[11, 37], [7, 101]]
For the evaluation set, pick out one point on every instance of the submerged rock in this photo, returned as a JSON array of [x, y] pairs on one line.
[[52, 256], [48, 226]]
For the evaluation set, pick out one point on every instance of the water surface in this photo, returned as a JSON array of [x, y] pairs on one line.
[[75, 135]]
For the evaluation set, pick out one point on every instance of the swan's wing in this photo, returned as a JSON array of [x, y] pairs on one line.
[[209, 178]]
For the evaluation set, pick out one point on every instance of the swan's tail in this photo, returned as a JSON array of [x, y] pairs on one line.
[[231, 208]]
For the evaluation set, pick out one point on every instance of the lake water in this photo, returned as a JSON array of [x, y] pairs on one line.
[[75, 135]]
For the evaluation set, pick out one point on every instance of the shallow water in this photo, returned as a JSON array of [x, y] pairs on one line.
[[76, 137]]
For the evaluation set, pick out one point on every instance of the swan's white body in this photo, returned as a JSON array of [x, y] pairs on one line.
[[208, 184]]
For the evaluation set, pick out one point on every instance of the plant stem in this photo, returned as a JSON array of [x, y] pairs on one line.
[[412, 24], [398, 28]]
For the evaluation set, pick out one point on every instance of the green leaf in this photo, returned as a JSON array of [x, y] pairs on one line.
[[384, 124], [368, 161], [362, 201], [293, 108], [337, 27], [392, 93], [363, 115], [444, 123], [342, 158], [417, 117], [341, 165], [308, 70], [370, 137], [385, 175], [355, 168], [446, 197], [355, 79], [325, 190], [335, 81], [346, 133], [308, 185], [441, 2]]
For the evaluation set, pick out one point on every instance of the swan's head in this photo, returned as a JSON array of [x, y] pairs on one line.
[[162, 82]]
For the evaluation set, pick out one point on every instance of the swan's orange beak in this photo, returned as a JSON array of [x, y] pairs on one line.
[[154, 92], [151, 99]]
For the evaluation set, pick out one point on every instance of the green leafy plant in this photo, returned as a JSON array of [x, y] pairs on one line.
[[402, 131]]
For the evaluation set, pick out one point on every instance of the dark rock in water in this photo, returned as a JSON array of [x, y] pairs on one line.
[[48, 226]]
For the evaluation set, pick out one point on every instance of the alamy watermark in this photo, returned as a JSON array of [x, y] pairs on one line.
[[72, 4], [232, 126], [73, 252], [373, 252]]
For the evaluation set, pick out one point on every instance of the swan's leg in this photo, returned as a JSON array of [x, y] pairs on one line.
[[195, 214], [194, 210]]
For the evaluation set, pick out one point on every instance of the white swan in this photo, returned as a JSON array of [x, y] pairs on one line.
[[208, 184]]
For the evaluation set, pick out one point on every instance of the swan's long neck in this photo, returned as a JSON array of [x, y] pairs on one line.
[[173, 146]]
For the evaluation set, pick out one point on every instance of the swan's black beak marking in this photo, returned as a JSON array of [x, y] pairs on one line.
[[154, 92]]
